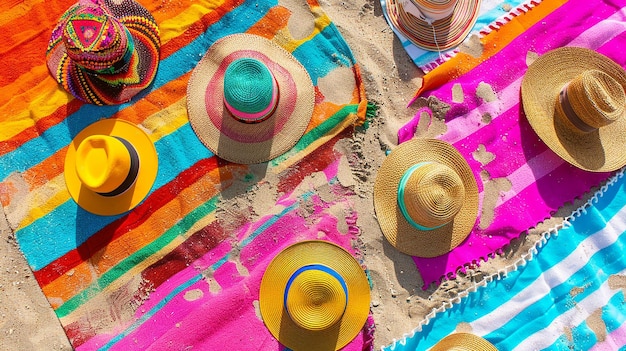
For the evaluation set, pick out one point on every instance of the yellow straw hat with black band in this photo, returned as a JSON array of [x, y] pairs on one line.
[[425, 198], [110, 167], [574, 100], [314, 296], [463, 342]]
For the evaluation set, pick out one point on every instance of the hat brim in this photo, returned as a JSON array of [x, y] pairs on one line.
[[240, 142], [449, 32], [272, 290], [598, 151], [398, 231], [463, 342], [102, 89], [148, 166]]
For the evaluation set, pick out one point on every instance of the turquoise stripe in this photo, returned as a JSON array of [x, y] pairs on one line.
[[478, 304], [152, 311], [584, 337], [549, 308], [315, 54], [60, 231]]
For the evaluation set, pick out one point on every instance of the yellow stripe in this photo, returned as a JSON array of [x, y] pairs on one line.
[[177, 25], [284, 39]]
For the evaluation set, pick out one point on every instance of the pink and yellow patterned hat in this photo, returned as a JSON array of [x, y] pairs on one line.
[[104, 52]]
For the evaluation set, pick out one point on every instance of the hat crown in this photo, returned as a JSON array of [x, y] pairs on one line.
[[431, 195], [316, 297], [250, 90], [435, 9], [94, 39], [596, 98], [102, 163]]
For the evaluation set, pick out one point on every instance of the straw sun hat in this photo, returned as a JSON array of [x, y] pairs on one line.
[[314, 296], [249, 100], [104, 53], [574, 100], [463, 342], [110, 167], [425, 198], [434, 25]]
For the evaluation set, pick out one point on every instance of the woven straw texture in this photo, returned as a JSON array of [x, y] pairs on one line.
[[148, 164], [526, 181], [600, 150], [173, 272], [226, 136], [442, 34], [398, 231], [271, 297], [463, 342], [116, 88], [565, 293]]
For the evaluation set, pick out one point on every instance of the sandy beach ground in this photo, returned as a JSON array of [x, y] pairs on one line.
[[27, 322]]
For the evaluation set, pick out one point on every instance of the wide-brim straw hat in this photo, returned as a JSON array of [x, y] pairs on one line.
[[314, 296], [463, 342], [428, 240], [100, 30], [597, 85], [225, 134], [433, 35], [133, 184]]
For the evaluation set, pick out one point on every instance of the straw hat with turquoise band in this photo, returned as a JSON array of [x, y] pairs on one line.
[[314, 296], [425, 198], [110, 167], [249, 100]]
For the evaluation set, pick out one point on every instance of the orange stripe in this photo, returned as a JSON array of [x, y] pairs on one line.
[[81, 276], [492, 43], [274, 20]]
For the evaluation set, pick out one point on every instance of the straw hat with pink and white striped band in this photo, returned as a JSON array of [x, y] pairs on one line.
[[434, 25]]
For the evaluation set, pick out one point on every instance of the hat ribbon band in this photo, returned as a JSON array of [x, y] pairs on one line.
[[571, 114], [121, 64], [317, 267], [132, 172], [402, 205]]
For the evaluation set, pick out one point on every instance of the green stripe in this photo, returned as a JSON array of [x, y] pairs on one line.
[[318, 131], [124, 266]]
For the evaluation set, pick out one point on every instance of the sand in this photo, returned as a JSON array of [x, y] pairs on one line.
[[399, 304]]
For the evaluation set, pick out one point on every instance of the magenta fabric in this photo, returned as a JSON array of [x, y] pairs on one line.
[[540, 182]]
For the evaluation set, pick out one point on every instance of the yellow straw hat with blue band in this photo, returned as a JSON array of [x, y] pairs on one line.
[[314, 296], [425, 198]]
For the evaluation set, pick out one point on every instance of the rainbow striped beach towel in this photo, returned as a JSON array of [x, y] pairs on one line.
[[566, 293], [181, 269], [480, 99]]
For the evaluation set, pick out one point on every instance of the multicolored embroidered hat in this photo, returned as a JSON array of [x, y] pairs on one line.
[[314, 296], [574, 99], [104, 52], [463, 342], [434, 25], [110, 167], [425, 198], [249, 100]]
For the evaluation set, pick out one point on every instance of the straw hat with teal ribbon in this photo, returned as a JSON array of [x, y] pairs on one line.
[[425, 198]]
